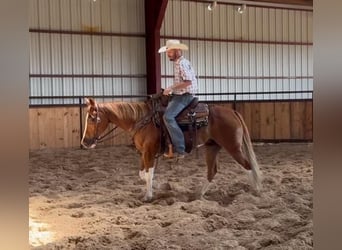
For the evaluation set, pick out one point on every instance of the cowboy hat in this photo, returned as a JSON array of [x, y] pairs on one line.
[[173, 44]]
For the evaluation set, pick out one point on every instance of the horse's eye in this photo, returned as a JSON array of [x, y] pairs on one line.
[[91, 118], [94, 119]]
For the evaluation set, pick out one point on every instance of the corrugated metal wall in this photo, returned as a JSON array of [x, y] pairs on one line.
[[67, 60], [261, 50]]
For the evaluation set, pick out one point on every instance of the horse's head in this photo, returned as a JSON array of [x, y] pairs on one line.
[[95, 124]]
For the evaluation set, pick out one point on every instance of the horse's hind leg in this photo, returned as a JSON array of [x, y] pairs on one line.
[[244, 162], [238, 155], [212, 148], [241, 157]]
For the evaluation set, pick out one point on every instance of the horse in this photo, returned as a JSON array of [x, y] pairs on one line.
[[225, 128]]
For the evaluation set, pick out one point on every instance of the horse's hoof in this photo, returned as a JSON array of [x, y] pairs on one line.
[[196, 196], [256, 192], [193, 197], [147, 198]]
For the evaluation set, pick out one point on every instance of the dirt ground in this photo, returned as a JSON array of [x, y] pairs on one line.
[[91, 199]]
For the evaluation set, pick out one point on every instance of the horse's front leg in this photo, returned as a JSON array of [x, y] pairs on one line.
[[147, 174], [142, 169]]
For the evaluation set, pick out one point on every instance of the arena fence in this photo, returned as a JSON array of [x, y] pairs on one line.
[[61, 125]]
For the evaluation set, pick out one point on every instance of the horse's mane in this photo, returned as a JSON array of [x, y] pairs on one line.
[[126, 110]]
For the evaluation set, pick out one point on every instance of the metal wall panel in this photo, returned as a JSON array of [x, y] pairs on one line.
[[75, 13], [33, 16], [56, 56], [45, 53], [77, 55], [54, 12], [34, 54], [44, 14], [67, 55], [265, 49], [66, 62]]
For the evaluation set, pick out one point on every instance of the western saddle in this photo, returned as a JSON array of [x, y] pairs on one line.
[[191, 118]]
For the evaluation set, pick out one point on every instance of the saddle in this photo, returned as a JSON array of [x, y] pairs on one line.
[[195, 112], [191, 118]]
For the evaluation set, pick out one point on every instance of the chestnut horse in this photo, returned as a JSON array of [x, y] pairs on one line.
[[225, 129]]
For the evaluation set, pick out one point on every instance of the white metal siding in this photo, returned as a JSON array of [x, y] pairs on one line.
[[230, 52], [261, 58], [121, 54]]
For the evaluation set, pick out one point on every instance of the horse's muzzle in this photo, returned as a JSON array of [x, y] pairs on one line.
[[88, 143]]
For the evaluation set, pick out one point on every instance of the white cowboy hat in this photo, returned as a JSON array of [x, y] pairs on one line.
[[173, 44]]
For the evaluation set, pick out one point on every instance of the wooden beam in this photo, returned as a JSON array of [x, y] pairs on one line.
[[154, 15]]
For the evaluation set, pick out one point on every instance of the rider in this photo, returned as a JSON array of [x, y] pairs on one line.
[[182, 91]]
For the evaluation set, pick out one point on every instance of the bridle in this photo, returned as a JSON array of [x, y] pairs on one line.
[[97, 138]]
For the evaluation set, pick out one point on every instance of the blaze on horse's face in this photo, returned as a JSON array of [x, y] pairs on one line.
[[95, 124]]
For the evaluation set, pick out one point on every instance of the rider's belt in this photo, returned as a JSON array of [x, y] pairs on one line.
[[187, 93]]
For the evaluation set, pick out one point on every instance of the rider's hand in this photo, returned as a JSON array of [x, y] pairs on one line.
[[167, 91]]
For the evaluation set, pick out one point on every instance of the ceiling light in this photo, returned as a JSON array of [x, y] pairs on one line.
[[212, 5], [241, 9]]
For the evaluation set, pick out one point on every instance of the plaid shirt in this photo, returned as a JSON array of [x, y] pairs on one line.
[[184, 72]]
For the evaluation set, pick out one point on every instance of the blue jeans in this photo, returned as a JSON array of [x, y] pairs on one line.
[[175, 106]]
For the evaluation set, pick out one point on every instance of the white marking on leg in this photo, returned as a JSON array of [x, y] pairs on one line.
[[205, 187], [142, 175], [255, 180], [149, 181]]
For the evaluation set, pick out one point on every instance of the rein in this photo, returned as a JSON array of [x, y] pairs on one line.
[[139, 125], [142, 123], [102, 138], [99, 139]]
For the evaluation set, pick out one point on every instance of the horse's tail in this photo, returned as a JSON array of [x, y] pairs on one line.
[[248, 149]]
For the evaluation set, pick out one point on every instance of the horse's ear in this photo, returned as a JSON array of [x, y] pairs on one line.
[[89, 101]]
